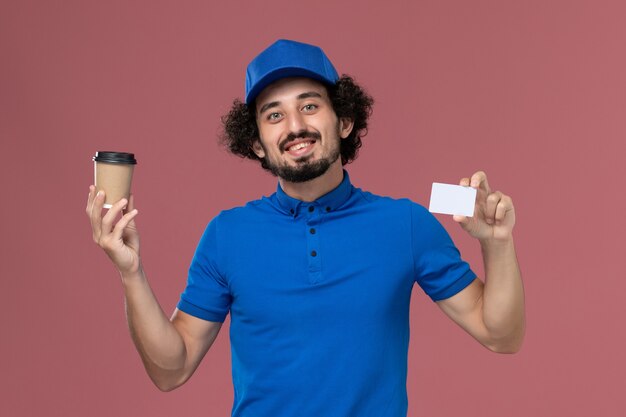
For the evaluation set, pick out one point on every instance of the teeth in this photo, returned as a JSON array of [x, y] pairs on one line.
[[299, 146]]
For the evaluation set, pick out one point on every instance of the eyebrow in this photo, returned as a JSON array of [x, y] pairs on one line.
[[272, 104], [309, 95]]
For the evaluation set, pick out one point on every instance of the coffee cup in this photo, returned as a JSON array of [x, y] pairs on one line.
[[113, 172]]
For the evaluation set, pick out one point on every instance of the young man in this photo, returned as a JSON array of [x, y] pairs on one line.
[[318, 276]]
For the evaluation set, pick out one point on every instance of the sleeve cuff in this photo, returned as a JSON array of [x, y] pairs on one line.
[[458, 285], [200, 313]]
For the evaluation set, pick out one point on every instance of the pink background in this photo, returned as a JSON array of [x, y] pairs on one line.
[[533, 92]]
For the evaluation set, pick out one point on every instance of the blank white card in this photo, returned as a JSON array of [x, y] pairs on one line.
[[452, 199]]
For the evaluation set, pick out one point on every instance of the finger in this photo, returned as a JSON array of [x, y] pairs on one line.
[[131, 204], [95, 215], [465, 182], [490, 207], [504, 206], [479, 181], [118, 230], [90, 197], [109, 218]]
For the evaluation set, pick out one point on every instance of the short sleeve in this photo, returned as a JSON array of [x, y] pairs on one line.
[[439, 269], [207, 294]]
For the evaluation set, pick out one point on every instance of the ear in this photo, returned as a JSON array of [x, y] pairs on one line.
[[258, 149], [345, 127]]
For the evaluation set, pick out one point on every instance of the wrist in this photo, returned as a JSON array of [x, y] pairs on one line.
[[491, 244], [135, 275]]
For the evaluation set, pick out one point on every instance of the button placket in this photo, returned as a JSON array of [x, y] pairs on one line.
[[312, 236]]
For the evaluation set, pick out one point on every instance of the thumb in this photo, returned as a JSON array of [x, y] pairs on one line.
[[463, 221], [460, 219]]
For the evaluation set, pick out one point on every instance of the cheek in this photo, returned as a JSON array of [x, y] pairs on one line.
[[269, 134]]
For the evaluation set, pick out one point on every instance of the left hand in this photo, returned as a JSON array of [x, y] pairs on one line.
[[494, 214]]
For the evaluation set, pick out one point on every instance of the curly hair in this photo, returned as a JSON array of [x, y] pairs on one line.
[[348, 99]]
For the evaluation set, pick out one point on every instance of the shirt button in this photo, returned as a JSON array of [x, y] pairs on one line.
[[312, 231], [291, 211], [327, 209], [313, 253], [311, 208]]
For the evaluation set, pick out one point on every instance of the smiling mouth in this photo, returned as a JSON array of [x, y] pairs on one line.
[[298, 146], [299, 140]]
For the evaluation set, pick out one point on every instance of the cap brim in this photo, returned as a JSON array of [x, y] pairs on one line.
[[280, 73]]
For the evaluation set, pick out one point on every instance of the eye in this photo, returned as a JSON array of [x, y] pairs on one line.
[[309, 107], [273, 116]]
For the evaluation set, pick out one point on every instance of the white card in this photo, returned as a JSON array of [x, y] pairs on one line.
[[452, 199]]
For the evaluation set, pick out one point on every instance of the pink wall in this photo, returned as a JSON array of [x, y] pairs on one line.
[[533, 92]]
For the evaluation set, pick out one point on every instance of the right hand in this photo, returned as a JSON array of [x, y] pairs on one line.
[[120, 241]]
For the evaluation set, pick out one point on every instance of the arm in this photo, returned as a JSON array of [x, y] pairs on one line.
[[493, 311], [171, 349]]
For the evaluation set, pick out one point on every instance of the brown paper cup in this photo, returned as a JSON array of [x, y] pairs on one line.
[[113, 172]]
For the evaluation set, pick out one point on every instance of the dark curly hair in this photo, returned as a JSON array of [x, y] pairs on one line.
[[348, 100]]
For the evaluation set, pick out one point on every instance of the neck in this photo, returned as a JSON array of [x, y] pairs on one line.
[[312, 190]]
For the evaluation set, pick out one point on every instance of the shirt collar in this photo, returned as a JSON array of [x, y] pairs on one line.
[[328, 202]]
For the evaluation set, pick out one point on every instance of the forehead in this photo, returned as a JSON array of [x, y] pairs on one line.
[[289, 88]]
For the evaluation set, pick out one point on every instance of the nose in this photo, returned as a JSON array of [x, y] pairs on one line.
[[296, 122]]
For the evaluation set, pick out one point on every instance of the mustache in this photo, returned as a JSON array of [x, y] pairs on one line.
[[303, 134]]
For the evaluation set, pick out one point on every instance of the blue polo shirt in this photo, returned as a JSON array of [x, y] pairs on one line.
[[318, 295]]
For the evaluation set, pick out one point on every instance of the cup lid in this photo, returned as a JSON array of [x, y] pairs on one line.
[[115, 157]]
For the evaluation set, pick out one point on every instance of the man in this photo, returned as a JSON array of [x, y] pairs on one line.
[[317, 277]]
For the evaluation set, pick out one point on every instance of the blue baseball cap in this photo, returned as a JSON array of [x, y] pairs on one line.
[[285, 58]]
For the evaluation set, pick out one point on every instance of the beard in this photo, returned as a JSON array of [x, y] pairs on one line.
[[304, 170]]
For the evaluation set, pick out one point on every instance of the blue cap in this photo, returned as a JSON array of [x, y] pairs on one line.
[[285, 58]]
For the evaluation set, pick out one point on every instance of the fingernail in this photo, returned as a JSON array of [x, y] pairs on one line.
[[99, 194]]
